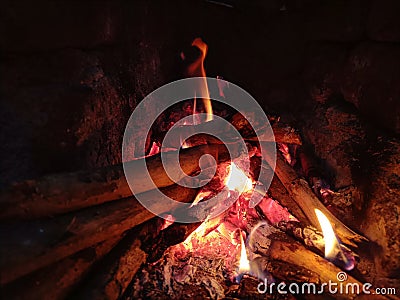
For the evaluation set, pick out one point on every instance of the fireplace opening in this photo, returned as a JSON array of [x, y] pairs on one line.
[[294, 196]]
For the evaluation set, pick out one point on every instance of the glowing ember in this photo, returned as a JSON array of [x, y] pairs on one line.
[[237, 180], [331, 242], [155, 149], [244, 265], [284, 149], [185, 145], [168, 221]]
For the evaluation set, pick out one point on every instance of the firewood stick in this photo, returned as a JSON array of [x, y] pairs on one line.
[[112, 277], [65, 275], [61, 237], [278, 192], [301, 260], [302, 194], [62, 193], [289, 261], [288, 257], [283, 133]]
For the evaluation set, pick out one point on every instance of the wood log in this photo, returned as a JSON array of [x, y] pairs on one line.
[[278, 192], [300, 264], [286, 134], [32, 245], [112, 277], [291, 261], [65, 275], [62, 193], [283, 133], [301, 193]]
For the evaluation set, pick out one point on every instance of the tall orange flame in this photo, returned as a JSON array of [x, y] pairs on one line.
[[196, 69]]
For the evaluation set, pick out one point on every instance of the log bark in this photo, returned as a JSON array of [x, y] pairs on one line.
[[62, 193], [283, 133], [302, 194], [65, 275], [291, 261], [278, 192], [55, 239], [112, 277], [300, 262]]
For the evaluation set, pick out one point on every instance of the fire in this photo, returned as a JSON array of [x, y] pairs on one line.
[[237, 180], [197, 69], [184, 144], [331, 242], [244, 264], [155, 149]]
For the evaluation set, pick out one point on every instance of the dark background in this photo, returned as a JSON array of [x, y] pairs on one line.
[[73, 71]]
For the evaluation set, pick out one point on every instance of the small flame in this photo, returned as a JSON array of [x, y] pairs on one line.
[[244, 264], [155, 149], [185, 145], [237, 180], [168, 221], [197, 69], [200, 196], [331, 242]]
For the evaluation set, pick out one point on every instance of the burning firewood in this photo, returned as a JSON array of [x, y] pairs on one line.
[[111, 278], [65, 275], [302, 263], [291, 261], [58, 238], [277, 254], [283, 133], [279, 192], [302, 194], [57, 194]]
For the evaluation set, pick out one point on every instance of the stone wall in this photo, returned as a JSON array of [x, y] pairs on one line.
[[73, 71]]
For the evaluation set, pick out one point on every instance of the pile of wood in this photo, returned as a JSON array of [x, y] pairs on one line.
[[84, 233]]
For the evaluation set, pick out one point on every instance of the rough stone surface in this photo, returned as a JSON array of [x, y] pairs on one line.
[[383, 21], [335, 20], [367, 76], [65, 109], [61, 24], [381, 221], [324, 69], [335, 133], [337, 136], [371, 81]]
